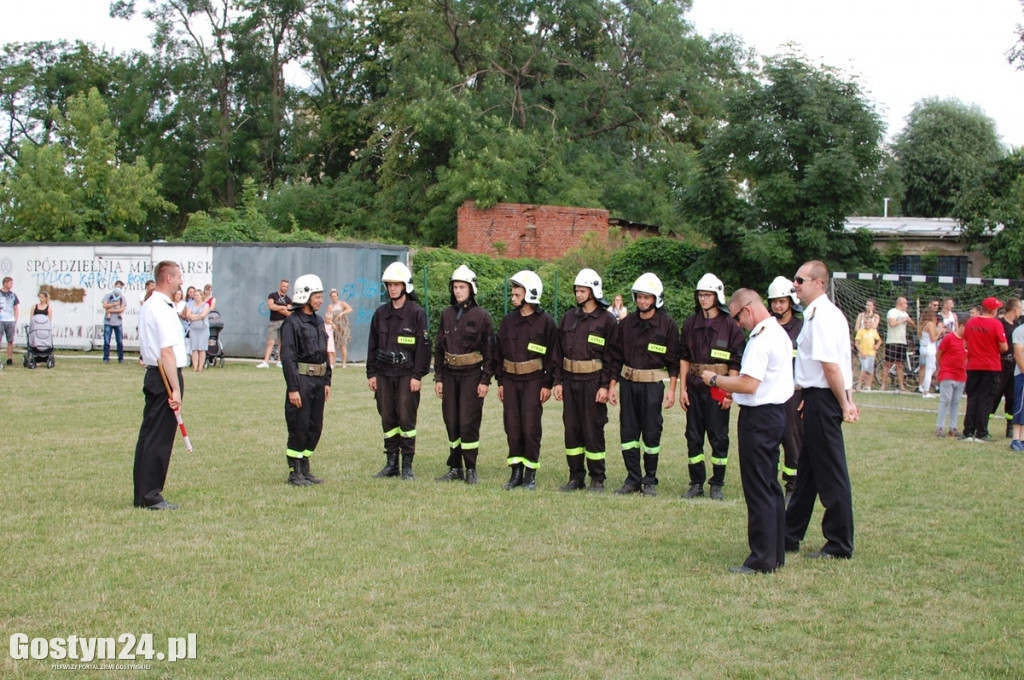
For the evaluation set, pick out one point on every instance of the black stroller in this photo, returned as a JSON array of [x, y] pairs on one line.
[[39, 344], [214, 349]]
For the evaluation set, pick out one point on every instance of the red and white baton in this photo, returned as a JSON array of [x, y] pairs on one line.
[[177, 412]]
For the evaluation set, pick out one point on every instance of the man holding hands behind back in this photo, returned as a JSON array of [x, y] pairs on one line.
[[762, 388]]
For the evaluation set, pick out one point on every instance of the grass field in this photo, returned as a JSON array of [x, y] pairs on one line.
[[366, 578]]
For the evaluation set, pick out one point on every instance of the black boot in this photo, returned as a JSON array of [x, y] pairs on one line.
[[295, 476], [577, 474], [471, 477], [573, 484], [516, 479], [530, 479], [309, 475], [407, 467], [450, 476], [390, 468]]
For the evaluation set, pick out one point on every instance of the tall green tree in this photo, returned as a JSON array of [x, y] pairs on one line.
[[991, 212], [945, 147], [74, 188], [799, 148]]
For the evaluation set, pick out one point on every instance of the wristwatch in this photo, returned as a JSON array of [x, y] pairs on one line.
[[714, 381]]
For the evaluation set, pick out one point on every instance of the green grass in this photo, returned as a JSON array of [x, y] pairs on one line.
[[366, 578]]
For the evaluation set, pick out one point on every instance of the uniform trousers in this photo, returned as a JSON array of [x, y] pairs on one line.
[[641, 421], [705, 416], [522, 413], [584, 420], [760, 430], [305, 424], [156, 439], [462, 411], [792, 440], [981, 391], [397, 405], [1004, 390], [822, 473]]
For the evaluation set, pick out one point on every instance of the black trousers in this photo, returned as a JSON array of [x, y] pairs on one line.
[[705, 416], [1004, 390], [462, 411], [584, 420], [641, 423], [822, 473], [156, 439], [760, 430], [981, 392], [792, 440], [307, 423], [522, 413], [397, 405]]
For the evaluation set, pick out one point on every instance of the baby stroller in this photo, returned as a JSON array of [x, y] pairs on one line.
[[214, 349], [39, 345]]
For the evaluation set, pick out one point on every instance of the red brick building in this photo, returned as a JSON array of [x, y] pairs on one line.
[[543, 232]]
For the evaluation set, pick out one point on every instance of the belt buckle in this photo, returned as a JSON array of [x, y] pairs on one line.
[[310, 371]]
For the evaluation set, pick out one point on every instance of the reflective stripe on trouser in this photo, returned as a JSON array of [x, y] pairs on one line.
[[705, 416], [522, 419], [640, 426], [584, 420], [305, 424], [462, 410], [397, 405]]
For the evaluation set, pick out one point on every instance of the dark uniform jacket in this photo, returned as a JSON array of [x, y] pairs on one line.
[[303, 338], [646, 344], [399, 344], [583, 336], [522, 338], [463, 330], [793, 329], [710, 341]]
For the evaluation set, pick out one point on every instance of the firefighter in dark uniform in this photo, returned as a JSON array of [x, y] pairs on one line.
[[709, 341], [645, 351], [307, 375], [462, 373], [397, 358], [522, 365], [783, 302], [582, 376]]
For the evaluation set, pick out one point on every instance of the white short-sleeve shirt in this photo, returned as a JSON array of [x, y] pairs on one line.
[[159, 327], [825, 337], [768, 357]]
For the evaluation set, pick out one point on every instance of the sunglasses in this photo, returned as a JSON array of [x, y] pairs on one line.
[[801, 280], [736, 316]]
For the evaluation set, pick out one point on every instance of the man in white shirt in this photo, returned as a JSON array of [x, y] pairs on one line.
[[161, 343], [897, 320], [823, 371], [762, 388]]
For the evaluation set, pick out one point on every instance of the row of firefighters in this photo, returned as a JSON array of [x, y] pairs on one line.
[[589, 360]]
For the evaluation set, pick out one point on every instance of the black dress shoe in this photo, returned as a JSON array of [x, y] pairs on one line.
[[162, 505], [822, 555], [742, 569]]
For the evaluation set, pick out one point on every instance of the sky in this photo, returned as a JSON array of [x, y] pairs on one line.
[[901, 51]]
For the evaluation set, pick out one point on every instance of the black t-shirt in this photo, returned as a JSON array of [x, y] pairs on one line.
[[278, 299]]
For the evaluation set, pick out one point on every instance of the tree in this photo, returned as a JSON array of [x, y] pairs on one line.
[[75, 189], [945, 148], [994, 207], [798, 150]]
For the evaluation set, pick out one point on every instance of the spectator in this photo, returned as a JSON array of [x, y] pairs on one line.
[[113, 310], [951, 357], [337, 317], [198, 330], [985, 341], [947, 316], [868, 341], [280, 309], [1018, 389], [618, 308], [928, 338], [896, 341], [1005, 390], [868, 313], [44, 306]]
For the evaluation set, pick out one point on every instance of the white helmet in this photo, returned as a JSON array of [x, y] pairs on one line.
[[397, 272], [305, 286], [782, 287], [530, 282], [709, 283], [588, 278], [466, 275], [650, 284]]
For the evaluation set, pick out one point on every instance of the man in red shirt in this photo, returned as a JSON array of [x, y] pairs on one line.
[[985, 340]]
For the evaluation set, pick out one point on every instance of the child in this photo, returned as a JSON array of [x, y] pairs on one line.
[[868, 341], [951, 358]]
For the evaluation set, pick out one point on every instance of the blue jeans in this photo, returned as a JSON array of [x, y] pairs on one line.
[[107, 328]]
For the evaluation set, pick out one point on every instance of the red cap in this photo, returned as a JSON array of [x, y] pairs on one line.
[[991, 303]]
